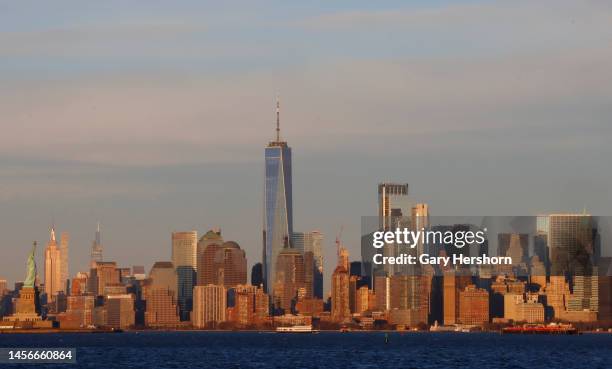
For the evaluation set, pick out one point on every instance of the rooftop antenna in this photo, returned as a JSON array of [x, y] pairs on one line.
[[277, 119], [52, 230], [338, 242], [98, 234]]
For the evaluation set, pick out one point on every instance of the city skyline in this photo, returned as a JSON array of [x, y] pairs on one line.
[[306, 184], [98, 125]]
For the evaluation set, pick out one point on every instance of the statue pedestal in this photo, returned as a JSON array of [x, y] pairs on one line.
[[25, 307]]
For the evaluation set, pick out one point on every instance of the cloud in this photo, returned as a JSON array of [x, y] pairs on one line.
[[518, 15], [550, 83], [37, 181], [470, 28], [171, 118], [97, 38]]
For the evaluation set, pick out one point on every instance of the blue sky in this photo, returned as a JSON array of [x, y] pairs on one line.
[[152, 116]]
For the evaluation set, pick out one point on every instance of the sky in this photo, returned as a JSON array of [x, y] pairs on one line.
[[152, 116]]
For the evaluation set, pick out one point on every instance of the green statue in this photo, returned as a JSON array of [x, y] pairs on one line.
[[31, 278]]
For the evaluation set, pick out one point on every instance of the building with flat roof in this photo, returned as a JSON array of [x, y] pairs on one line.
[[473, 306], [184, 251], [120, 312], [209, 308]]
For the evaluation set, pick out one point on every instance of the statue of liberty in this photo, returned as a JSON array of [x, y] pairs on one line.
[[31, 276]]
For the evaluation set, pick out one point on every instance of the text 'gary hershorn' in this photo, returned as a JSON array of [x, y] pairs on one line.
[[411, 239]]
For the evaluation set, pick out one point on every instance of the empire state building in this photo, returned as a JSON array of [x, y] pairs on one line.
[[278, 204]]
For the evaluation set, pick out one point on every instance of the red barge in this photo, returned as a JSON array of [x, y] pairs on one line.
[[541, 329]]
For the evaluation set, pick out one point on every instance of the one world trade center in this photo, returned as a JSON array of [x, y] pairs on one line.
[[278, 204]]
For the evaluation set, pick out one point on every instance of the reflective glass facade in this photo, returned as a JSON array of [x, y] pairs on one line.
[[278, 207], [184, 260]]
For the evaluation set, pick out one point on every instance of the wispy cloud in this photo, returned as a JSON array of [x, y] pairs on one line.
[[518, 15], [170, 118]]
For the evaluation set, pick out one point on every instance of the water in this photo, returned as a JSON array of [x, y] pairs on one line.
[[324, 350]]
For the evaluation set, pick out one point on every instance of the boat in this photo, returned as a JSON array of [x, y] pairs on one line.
[[541, 329], [296, 329], [442, 328]]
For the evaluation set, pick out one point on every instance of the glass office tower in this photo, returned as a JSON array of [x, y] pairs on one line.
[[184, 261], [278, 205]]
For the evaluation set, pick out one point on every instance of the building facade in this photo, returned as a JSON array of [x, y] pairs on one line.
[[278, 204], [103, 274], [289, 278], [453, 283], [208, 244], [184, 251], [473, 306], [159, 293], [120, 312], [53, 269], [64, 261], [340, 300], [223, 264], [209, 306]]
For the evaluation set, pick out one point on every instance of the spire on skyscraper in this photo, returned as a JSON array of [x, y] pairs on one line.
[[98, 234], [52, 238], [277, 119], [96, 249]]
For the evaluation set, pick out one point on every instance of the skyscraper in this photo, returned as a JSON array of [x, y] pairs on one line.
[[297, 241], [340, 300], [309, 274], [257, 275], [393, 204], [96, 248], [310, 245], [340, 309], [473, 305], [53, 281], [102, 275], [454, 282], [605, 289], [244, 308], [209, 305], [289, 277], [160, 295], [79, 284], [571, 243], [394, 210], [278, 204], [79, 312], [207, 246], [64, 273], [313, 242], [420, 220], [120, 312], [224, 264], [184, 248]]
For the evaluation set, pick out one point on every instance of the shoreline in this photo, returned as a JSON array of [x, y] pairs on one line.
[[104, 331]]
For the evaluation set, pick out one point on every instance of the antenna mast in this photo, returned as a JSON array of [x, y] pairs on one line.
[[277, 119], [338, 242]]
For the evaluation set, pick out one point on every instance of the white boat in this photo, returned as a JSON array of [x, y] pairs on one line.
[[442, 328], [296, 329]]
